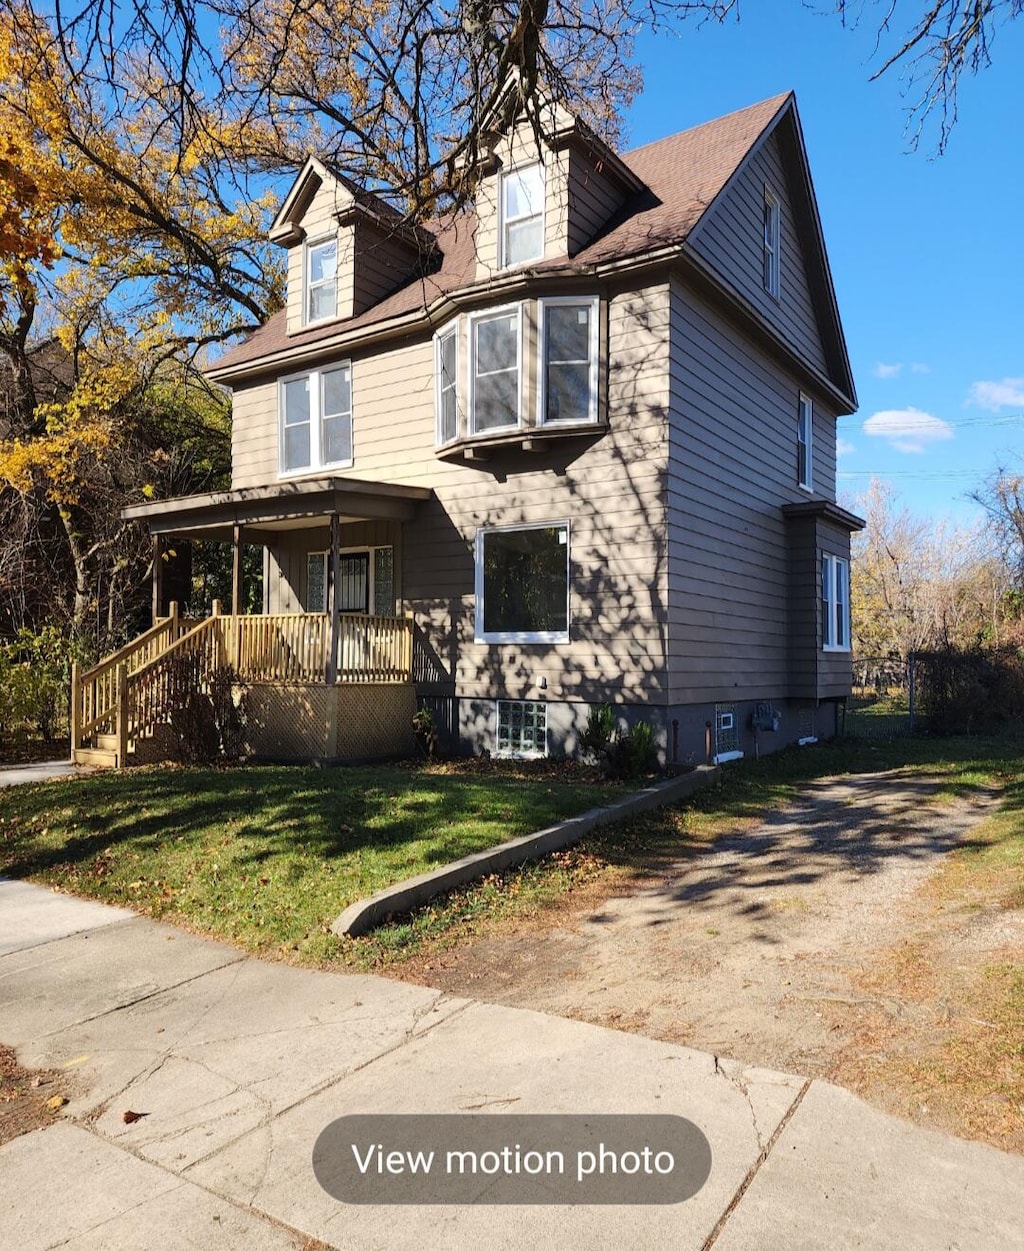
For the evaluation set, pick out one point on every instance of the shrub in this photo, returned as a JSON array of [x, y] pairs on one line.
[[206, 715], [427, 737], [600, 729], [969, 692], [35, 681], [633, 753]]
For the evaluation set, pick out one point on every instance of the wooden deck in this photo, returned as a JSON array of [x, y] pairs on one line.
[[130, 694]]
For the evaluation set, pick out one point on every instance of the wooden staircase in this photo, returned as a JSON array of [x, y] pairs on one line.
[[132, 695], [124, 698]]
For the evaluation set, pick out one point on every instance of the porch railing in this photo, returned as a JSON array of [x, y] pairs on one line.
[[137, 688]]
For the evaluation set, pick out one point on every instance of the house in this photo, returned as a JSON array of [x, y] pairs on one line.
[[574, 446]]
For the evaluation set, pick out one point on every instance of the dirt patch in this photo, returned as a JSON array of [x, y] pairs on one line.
[[29, 1098], [807, 942]]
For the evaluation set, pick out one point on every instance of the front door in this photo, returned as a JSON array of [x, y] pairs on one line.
[[354, 583]]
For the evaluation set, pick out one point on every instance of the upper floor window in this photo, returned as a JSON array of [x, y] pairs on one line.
[[321, 280], [835, 604], [495, 350], [805, 443], [316, 420], [771, 243], [446, 373], [568, 364], [522, 215]]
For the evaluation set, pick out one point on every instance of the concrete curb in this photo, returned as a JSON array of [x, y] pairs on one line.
[[366, 914]]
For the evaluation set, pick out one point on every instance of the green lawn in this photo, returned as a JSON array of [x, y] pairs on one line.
[[268, 857]]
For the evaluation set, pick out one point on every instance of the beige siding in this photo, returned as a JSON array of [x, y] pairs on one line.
[[731, 240], [382, 263], [288, 549], [732, 465], [609, 486]]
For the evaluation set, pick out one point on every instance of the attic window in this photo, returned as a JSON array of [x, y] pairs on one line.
[[321, 280], [522, 215], [771, 243]]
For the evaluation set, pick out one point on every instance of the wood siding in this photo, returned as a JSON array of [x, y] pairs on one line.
[[592, 201], [731, 240], [609, 485], [732, 465]]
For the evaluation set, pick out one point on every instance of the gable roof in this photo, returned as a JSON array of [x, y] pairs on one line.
[[683, 175]]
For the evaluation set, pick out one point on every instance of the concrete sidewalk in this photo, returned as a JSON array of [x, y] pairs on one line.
[[238, 1065], [38, 771]]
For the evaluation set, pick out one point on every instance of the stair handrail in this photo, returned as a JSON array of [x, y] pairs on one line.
[[149, 696], [94, 692]]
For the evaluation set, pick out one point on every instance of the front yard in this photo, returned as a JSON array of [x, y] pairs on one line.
[[268, 857]]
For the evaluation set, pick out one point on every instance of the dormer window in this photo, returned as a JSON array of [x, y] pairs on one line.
[[321, 280], [522, 215]]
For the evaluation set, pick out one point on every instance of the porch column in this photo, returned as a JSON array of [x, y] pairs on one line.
[[236, 570], [158, 576], [333, 620]]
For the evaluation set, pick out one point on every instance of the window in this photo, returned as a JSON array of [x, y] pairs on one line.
[[771, 243], [495, 376], [805, 443], [366, 581], [522, 728], [522, 584], [522, 215], [568, 369], [446, 371], [321, 280], [835, 604], [316, 420]]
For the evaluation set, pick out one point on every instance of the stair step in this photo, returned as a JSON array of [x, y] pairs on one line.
[[99, 757], [106, 742]]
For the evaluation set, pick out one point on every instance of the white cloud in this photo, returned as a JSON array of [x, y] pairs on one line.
[[908, 429], [844, 447], [919, 367], [886, 371], [996, 395]]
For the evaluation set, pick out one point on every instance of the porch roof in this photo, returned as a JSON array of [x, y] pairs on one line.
[[280, 506]]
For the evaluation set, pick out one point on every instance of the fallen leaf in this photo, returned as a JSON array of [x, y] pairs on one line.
[[56, 1102], [130, 1117]]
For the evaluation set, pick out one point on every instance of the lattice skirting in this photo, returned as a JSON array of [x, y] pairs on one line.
[[353, 721]]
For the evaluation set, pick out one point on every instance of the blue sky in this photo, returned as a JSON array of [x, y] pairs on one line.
[[927, 251]]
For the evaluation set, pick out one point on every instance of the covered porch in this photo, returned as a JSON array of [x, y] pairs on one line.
[[330, 678]]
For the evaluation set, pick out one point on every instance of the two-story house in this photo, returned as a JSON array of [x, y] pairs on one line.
[[575, 446]]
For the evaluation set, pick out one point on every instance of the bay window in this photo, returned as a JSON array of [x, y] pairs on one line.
[[568, 361], [495, 347]]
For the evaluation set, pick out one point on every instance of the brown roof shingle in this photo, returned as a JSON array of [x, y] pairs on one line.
[[683, 175]]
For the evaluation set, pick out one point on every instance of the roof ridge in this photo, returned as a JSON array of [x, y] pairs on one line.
[[777, 101]]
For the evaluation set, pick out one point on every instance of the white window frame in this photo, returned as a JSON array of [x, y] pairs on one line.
[[503, 221], [474, 320], [316, 416], [451, 329], [772, 238], [805, 441], [520, 636], [309, 247], [835, 607], [594, 304], [512, 753]]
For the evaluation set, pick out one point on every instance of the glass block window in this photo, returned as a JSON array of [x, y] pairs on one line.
[[522, 728], [384, 581]]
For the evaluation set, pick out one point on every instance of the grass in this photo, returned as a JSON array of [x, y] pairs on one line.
[[267, 857]]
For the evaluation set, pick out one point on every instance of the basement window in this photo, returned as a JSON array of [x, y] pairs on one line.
[[522, 728]]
